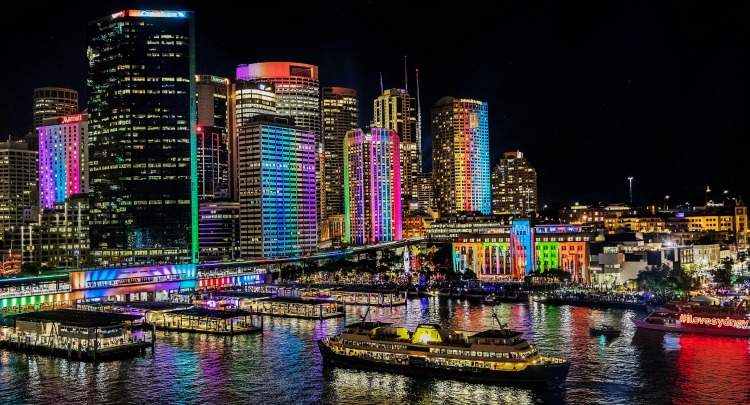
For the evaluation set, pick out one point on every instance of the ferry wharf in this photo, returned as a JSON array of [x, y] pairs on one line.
[[76, 334]]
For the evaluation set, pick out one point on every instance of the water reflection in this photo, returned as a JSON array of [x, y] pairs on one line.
[[282, 365]]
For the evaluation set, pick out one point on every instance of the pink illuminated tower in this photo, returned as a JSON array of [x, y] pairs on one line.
[[63, 158], [372, 186]]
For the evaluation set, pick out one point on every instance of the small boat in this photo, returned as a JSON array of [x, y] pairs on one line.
[[491, 299], [604, 330]]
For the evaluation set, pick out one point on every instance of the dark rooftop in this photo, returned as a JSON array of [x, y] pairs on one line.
[[75, 317], [152, 305], [241, 294], [211, 313], [295, 300]]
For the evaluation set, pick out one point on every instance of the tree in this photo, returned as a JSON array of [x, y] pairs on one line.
[[722, 275], [680, 282], [654, 278], [442, 261]]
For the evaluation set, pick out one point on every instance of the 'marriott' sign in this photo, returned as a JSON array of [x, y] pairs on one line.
[[717, 322]]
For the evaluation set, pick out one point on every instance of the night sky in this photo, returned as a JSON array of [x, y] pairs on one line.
[[590, 92]]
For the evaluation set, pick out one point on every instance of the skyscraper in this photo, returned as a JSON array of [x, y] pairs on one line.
[[63, 159], [53, 102], [246, 100], [142, 142], [461, 156], [277, 188], [340, 115], [298, 96], [372, 182], [396, 109], [213, 138], [18, 187], [514, 185]]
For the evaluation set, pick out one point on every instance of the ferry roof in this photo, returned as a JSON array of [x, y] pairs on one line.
[[152, 305], [75, 317], [241, 294], [295, 300], [211, 313]]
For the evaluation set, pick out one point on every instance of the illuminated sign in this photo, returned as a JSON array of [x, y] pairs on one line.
[[157, 13], [717, 322], [70, 119]]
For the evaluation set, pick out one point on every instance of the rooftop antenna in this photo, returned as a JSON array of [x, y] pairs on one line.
[[419, 126], [381, 83], [406, 77]]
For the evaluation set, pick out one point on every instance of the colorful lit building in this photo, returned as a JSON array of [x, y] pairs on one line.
[[461, 156], [372, 186], [63, 158], [277, 188], [511, 252], [297, 90], [142, 140]]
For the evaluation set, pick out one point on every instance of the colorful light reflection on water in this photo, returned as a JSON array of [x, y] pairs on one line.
[[282, 364]]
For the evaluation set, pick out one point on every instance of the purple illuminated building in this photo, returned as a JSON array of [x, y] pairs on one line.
[[63, 158], [372, 186]]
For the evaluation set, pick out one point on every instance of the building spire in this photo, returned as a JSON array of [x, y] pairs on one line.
[[419, 126], [381, 83], [406, 77]]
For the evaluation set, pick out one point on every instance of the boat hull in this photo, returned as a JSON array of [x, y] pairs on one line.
[[724, 331], [548, 374]]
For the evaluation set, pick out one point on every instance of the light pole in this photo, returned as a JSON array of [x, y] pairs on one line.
[[666, 197], [630, 180]]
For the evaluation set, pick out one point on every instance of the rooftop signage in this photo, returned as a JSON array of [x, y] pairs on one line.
[[157, 13]]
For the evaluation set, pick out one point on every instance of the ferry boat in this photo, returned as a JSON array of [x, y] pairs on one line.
[[691, 317], [493, 356]]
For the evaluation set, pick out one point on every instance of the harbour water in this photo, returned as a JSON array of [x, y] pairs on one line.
[[282, 365]]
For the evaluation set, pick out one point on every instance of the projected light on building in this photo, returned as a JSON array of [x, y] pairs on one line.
[[372, 186], [63, 158]]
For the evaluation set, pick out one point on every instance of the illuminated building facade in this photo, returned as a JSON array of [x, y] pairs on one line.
[[213, 138], [461, 156], [246, 100], [514, 185], [372, 182], [425, 191], [510, 252], [219, 230], [298, 96], [340, 115], [142, 141], [19, 176], [395, 109], [277, 189], [63, 158], [51, 102]]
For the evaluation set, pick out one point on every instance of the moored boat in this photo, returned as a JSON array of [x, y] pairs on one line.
[[493, 356], [604, 330], [691, 317]]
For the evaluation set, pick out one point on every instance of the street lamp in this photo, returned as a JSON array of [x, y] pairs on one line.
[[666, 197], [630, 179]]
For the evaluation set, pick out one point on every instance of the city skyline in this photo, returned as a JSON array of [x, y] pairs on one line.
[[592, 94]]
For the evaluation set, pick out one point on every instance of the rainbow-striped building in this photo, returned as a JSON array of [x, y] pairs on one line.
[[461, 156], [63, 158], [372, 186]]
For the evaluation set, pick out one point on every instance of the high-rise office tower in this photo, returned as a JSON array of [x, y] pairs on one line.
[[277, 188], [142, 141], [396, 109], [372, 181], [340, 115], [298, 96], [514, 185], [213, 137], [246, 100], [425, 191], [18, 188], [52, 102], [461, 156], [63, 159]]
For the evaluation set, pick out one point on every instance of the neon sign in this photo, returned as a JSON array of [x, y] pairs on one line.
[[717, 322], [70, 119], [156, 13]]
